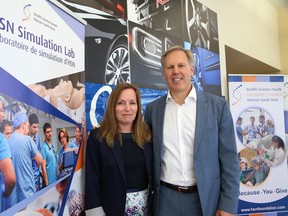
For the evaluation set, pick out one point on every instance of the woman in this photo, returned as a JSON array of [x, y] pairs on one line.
[[63, 137], [277, 155], [119, 158]]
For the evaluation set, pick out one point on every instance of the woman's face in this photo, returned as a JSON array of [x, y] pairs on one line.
[[242, 165], [63, 138], [275, 144], [126, 108]]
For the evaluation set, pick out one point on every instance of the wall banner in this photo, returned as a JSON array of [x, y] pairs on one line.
[[41, 73], [257, 108]]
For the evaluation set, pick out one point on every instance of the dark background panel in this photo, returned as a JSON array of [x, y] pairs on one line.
[[146, 47]]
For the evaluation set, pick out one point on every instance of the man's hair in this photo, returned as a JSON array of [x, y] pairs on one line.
[[4, 123], [45, 126], [262, 117], [188, 53], [33, 119], [79, 127]]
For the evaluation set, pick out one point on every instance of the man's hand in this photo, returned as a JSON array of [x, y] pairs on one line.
[[223, 213]]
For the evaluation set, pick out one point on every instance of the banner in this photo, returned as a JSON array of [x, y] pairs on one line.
[[257, 107], [41, 73]]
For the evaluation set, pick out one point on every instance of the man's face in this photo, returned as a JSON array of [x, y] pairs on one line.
[[177, 72], [33, 129], [77, 133], [7, 131], [48, 134], [1, 112], [256, 166]]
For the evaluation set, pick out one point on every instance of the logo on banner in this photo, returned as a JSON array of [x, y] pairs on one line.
[[26, 12], [237, 95], [285, 90]]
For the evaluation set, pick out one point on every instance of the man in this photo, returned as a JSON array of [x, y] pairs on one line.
[[33, 130], [263, 127], [77, 140], [240, 132], [252, 130], [7, 174], [195, 155], [49, 154], [23, 150], [6, 128]]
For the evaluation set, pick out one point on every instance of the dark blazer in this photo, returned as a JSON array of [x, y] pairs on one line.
[[105, 183], [215, 153]]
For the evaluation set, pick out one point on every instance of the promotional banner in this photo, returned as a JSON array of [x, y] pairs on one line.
[[257, 107], [42, 80]]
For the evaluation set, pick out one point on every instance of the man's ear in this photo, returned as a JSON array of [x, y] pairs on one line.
[[163, 75], [192, 70]]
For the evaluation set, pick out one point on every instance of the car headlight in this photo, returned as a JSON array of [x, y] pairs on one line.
[[147, 46]]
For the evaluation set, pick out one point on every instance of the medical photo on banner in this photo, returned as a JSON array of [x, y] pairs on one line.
[[256, 104]]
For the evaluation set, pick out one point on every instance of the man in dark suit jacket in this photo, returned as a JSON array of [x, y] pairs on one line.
[[195, 154]]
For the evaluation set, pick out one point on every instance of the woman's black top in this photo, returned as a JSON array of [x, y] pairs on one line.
[[134, 163]]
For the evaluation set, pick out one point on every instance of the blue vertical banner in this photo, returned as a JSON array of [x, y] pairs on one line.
[[256, 104]]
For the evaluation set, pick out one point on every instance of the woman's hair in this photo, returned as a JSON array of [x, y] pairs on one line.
[[109, 129], [270, 123], [64, 130], [281, 144]]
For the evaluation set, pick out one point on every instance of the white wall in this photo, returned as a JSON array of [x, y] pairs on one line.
[[283, 35], [249, 26]]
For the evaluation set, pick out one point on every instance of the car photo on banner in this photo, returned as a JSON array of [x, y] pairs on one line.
[[206, 70], [106, 45], [164, 16], [199, 23], [146, 47], [113, 7]]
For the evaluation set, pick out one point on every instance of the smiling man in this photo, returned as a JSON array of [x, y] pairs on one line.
[[195, 154]]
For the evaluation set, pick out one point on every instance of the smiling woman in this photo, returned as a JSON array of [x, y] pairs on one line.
[[119, 155], [126, 109]]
